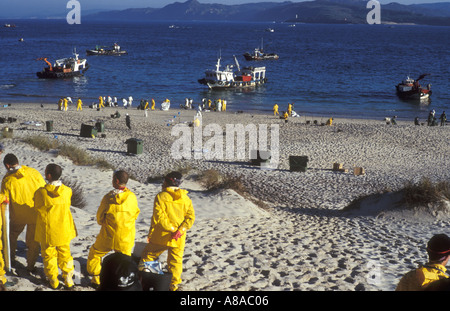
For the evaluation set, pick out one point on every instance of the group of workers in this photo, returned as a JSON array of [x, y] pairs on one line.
[[432, 120], [63, 104], [210, 105], [42, 205]]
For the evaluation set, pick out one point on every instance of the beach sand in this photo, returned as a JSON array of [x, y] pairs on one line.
[[290, 232]]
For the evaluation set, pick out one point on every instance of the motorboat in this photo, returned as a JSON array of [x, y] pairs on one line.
[[259, 54], [103, 50]]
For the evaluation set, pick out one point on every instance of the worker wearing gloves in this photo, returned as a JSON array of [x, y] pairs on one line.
[[55, 227], [19, 185], [117, 216], [173, 215]]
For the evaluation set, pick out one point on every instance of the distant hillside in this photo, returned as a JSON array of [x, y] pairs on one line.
[[318, 11]]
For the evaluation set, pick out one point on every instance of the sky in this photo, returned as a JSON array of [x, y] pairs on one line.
[[22, 8]]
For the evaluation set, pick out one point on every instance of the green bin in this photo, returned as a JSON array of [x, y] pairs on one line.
[[49, 126], [88, 130], [298, 163], [100, 126], [134, 146]]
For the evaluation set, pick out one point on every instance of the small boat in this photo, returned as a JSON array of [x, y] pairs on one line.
[[102, 50], [63, 68], [248, 77], [258, 54], [270, 30], [410, 89]]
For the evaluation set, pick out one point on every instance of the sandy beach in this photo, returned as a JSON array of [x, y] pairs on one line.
[[292, 233]]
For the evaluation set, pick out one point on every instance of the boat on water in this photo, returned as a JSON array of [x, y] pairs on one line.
[[232, 76], [259, 54], [63, 68], [103, 50], [410, 89]]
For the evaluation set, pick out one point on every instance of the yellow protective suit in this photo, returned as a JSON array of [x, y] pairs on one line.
[[19, 186], [172, 212], [60, 104], [117, 215], [2, 262], [420, 278], [275, 110], [79, 105], [289, 110], [100, 102], [153, 104], [55, 229], [66, 104]]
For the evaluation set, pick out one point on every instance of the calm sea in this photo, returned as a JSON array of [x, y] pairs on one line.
[[325, 70]]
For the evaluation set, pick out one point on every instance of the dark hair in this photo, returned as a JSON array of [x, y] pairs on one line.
[[10, 159], [173, 179], [53, 170], [438, 247], [122, 176]]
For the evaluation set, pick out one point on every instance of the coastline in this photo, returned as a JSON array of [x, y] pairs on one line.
[[299, 238]]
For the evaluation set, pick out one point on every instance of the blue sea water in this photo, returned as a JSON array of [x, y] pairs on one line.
[[325, 70]]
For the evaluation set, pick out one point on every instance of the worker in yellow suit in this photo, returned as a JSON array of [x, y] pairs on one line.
[[3, 279], [117, 216], [55, 227], [19, 185], [66, 104], [79, 104], [100, 102], [153, 104], [275, 110], [224, 105], [173, 216], [289, 109], [60, 104]]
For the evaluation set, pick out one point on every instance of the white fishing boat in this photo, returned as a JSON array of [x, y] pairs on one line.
[[232, 76], [63, 68]]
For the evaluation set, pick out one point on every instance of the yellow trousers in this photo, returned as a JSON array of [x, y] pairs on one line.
[[2, 268], [32, 245], [96, 253], [58, 256], [152, 251]]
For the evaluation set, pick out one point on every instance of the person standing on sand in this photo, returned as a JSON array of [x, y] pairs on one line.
[[443, 118], [79, 104], [275, 110], [173, 216], [117, 216], [55, 227], [128, 121], [438, 249], [19, 185], [3, 279]]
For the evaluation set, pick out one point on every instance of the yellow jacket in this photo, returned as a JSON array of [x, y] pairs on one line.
[[172, 211], [55, 225], [19, 186], [117, 215], [2, 199], [421, 277]]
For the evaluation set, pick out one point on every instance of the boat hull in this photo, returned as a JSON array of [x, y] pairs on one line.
[[107, 52], [217, 85], [46, 74], [250, 57]]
